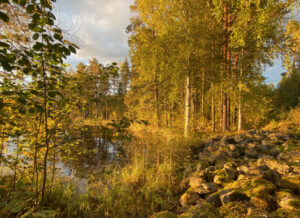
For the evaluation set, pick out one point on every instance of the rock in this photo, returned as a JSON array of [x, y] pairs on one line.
[[210, 187], [210, 169], [230, 174], [201, 166], [206, 188], [234, 154], [214, 199], [230, 165], [232, 147], [274, 152], [292, 183], [290, 202], [256, 213], [296, 170], [251, 152], [242, 177], [228, 140], [265, 202], [220, 156], [272, 163], [243, 169], [190, 197], [232, 196], [219, 179], [164, 214], [199, 211], [265, 142], [290, 156], [197, 179], [263, 148], [238, 138]]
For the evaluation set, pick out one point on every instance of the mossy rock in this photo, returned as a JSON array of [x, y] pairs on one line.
[[190, 197], [253, 186], [283, 213], [233, 209], [257, 213], [164, 214], [201, 211], [292, 183], [290, 202], [265, 202]]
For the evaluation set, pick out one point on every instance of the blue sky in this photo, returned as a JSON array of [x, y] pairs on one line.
[[98, 27]]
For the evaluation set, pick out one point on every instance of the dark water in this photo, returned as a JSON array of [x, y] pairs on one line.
[[90, 156]]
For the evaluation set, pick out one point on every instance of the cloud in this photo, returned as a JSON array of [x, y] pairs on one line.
[[98, 26]]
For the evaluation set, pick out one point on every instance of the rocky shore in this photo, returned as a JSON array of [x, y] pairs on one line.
[[255, 174]]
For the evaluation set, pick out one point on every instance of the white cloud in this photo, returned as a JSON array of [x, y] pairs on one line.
[[99, 26]]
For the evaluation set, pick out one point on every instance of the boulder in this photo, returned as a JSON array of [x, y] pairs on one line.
[[190, 197], [206, 188], [214, 199], [238, 138], [232, 196], [292, 183], [200, 211], [219, 156], [289, 202], [197, 179], [164, 214], [256, 213], [272, 163]]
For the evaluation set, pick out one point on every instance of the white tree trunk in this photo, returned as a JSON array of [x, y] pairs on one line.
[[187, 107]]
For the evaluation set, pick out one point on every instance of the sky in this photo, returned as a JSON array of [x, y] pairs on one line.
[[98, 28]]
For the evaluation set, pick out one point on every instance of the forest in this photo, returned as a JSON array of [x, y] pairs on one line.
[[186, 126]]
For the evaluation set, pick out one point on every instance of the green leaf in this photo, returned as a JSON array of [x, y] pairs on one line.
[[48, 211], [2, 204], [14, 202], [39, 214], [35, 36], [29, 9], [72, 49], [4, 45], [16, 209], [4, 17], [27, 214]]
